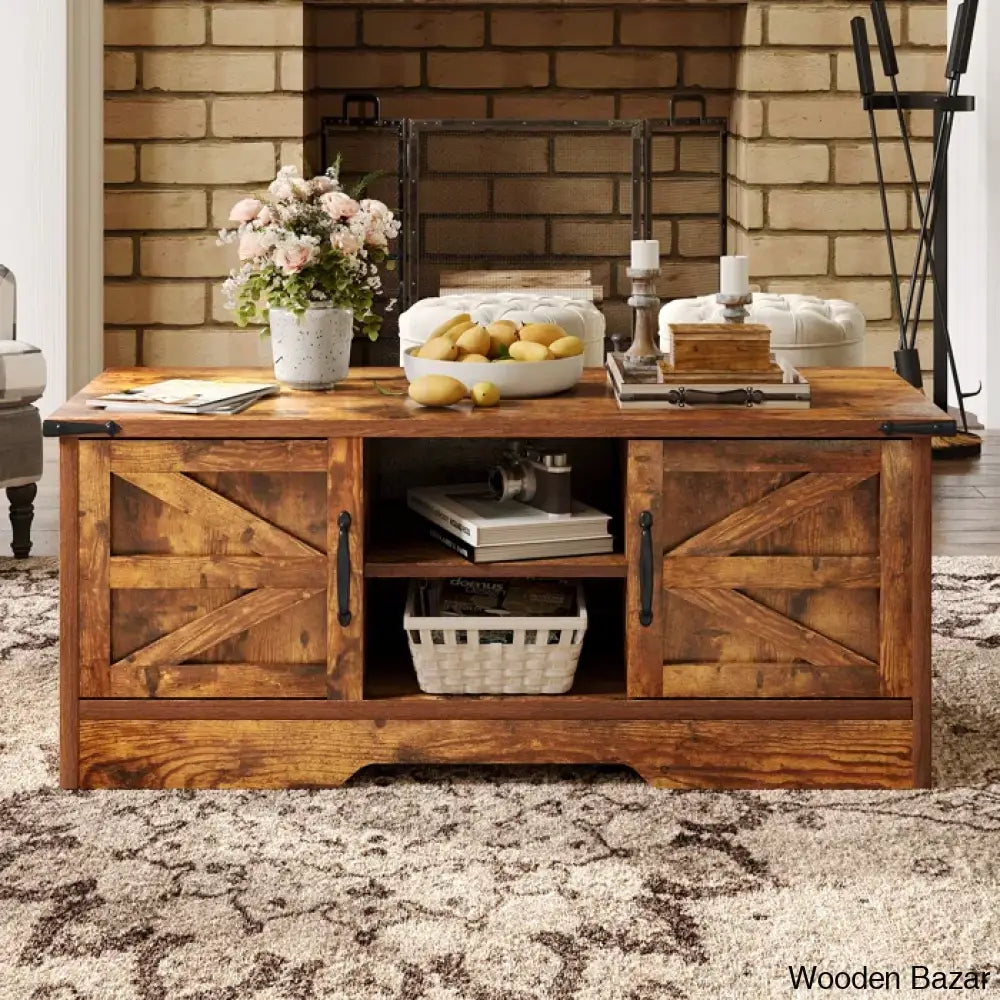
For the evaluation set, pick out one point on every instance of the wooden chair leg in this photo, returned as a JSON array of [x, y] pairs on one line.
[[22, 513]]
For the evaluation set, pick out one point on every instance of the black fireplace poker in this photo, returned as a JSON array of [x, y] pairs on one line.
[[906, 357]]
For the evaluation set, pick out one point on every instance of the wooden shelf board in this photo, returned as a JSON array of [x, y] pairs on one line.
[[419, 558]]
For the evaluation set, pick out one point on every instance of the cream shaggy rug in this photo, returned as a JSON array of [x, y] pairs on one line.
[[491, 884]]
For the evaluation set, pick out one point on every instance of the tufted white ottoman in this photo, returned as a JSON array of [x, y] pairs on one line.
[[578, 317], [805, 331]]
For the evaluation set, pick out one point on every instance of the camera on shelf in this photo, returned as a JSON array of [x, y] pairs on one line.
[[534, 476]]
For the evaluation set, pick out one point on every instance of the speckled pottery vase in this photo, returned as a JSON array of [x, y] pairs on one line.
[[311, 351]]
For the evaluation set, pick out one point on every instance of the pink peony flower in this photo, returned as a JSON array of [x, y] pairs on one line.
[[322, 184], [293, 257], [346, 242], [252, 244], [338, 205], [266, 216], [377, 209], [245, 211]]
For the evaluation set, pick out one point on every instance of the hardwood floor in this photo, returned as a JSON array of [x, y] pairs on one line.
[[966, 506]]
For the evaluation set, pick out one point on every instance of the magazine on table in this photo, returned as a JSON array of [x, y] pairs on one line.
[[182, 395]]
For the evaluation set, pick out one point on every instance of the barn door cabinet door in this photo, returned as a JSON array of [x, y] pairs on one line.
[[782, 569], [220, 569]]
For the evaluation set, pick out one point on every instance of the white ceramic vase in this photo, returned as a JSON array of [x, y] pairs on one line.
[[311, 351]]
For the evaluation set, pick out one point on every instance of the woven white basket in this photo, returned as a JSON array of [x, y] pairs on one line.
[[451, 658]]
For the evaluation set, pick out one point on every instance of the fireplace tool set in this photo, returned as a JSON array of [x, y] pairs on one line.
[[930, 210]]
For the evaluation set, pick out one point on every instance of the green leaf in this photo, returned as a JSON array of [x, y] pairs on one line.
[[383, 391]]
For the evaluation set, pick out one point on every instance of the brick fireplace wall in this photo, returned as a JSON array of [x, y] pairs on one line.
[[204, 100]]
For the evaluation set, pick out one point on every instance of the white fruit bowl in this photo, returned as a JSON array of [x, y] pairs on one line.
[[520, 380]]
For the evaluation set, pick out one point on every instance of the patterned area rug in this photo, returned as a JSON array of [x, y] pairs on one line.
[[450, 884]]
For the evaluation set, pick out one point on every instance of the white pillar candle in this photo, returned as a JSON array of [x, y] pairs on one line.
[[735, 276], [645, 255]]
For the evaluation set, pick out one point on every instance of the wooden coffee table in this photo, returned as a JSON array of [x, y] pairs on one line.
[[232, 589]]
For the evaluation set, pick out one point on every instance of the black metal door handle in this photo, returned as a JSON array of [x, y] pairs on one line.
[[646, 569], [344, 569]]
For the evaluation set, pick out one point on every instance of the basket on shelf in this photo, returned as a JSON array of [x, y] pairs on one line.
[[490, 655]]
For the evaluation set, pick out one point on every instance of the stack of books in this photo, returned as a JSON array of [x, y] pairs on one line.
[[471, 522], [184, 395]]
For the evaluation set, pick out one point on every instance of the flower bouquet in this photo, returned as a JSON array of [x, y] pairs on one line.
[[310, 256]]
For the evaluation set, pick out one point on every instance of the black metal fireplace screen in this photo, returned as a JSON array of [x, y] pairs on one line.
[[504, 196]]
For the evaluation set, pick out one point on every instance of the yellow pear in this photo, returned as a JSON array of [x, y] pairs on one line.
[[526, 350], [542, 333], [474, 340], [567, 347], [438, 349], [476, 359], [437, 390], [449, 324], [503, 333], [485, 394]]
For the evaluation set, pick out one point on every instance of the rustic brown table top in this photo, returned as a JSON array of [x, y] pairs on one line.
[[372, 402]]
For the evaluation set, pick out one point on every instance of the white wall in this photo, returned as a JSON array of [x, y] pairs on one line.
[[974, 222], [33, 230]]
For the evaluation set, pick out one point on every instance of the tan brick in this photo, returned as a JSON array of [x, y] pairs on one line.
[[927, 306], [783, 163], [207, 70], [709, 70], [591, 239], [332, 28], [131, 302], [117, 256], [681, 196], [687, 279], [209, 347], [919, 69], [873, 298], [674, 28], [552, 196], [119, 163], [868, 255], [927, 24], [881, 341], [420, 29], [275, 116], [119, 71], [748, 117], [487, 154], [579, 154], [153, 24], [291, 71], [778, 70], [207, 163], [368, 70], [487, 70], [554, 106], [292, 154], [155, 210], [552, 28], [448, 195], [833, 209], [816, 118], [700, 154], [489, 237], [263, 24], [184, 257], [748, 26], [120, 348], [664, 154], [817, 24], [855, 164], [612, 70], [785, 254], [154, 118], [698, 237], [745, 205], [425, 105], [656, 105]]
